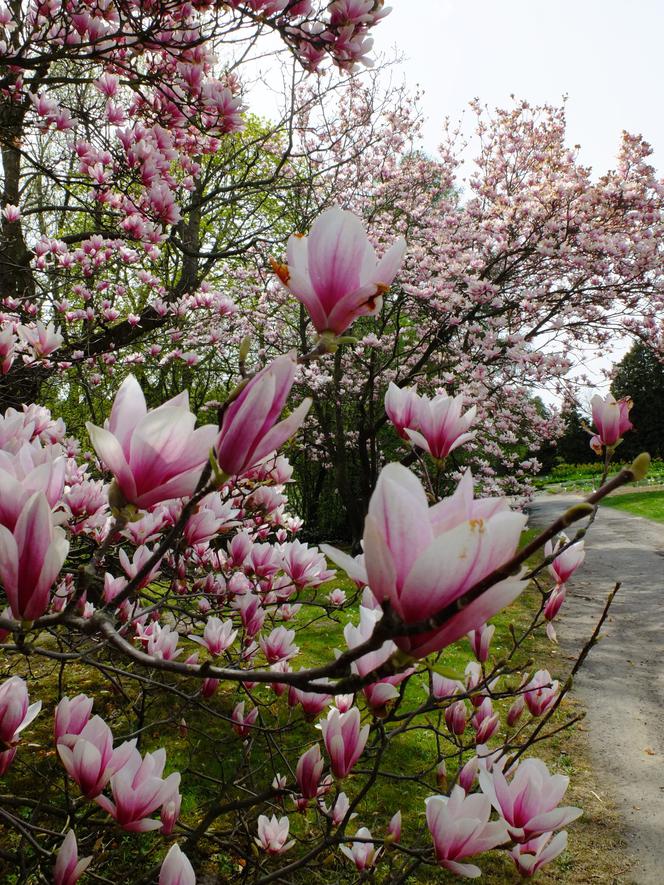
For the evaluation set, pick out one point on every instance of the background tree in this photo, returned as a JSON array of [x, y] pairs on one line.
[[640, 375]]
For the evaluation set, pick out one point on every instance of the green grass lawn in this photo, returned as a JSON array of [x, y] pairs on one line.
[[648, 504]]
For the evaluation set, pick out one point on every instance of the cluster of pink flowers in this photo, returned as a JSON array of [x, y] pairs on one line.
[[527, 802], [85, 746]]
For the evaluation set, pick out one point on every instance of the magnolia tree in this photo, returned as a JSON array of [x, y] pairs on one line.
[[115, 117], [168, 620]]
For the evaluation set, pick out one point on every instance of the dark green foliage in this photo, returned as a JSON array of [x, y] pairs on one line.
[[574, 444], [640, 374]]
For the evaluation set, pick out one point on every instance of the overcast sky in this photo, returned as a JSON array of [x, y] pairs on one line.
[[606, 55]]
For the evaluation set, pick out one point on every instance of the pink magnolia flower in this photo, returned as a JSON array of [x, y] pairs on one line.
[[273, 833], [312, 702], [31, 558], [485, 721], [421, 559], [443, 688], [89, 757], [249, 430], [242, 724], [515, 711], [363, 852], [304, 565], [456, 717], [566, 563], [468, 774], [42, 339], [339, 810], [480, 640], [217, 636], [334, 271], [611, 418], [441, 427], [138, 790], [153, 455], [401, 407], [11, 212], [170, 810], [337, 596], [528, 801], [68, 868], [531, 856], [176, 868], [162, 643], [71, 716], [22, 474], [460, 827], [344, 739], [279, 645], [16, 711], [394, 827], [308, 772], [540, 693]]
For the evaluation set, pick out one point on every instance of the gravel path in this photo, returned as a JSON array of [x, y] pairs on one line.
[[622, 681]]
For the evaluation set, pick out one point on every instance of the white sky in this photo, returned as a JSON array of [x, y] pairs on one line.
[[606, 55]]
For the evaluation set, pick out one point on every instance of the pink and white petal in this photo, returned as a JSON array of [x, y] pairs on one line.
[[31, 714], [354, 568], [9, 557], [552, 820], [128, 408], [467, 870], [477, 613], [417, 439], [381, 572], [440, 572], [109, 451], [390, 264], [105, 803], [399, 507], [181, 486], [281, 432], [142, 826], [336, 245], [464, 438]]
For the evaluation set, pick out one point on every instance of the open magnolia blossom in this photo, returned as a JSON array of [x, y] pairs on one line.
[[568, 560], [527, 798], [460, 827], [421, 559], [154, 455], [437, 425], [335, 273]]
